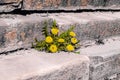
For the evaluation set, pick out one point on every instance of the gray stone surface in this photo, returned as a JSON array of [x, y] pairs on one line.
[[104, 59], [104, 3], [118, 76], [70, 4], [113, 77], [19, 31], [98, 62], [34, 65], [89, 26], [11, 5]]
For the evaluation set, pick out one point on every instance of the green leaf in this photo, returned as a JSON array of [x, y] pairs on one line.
[[77, 52], [54, 25], [66, 33], [36, 40], [44, 46], [33, 45], [45, 29], [77, 46], [40, 45], [38, 48]]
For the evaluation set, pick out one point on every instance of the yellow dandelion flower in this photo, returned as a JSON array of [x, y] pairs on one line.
[[74, 40], [53, 48], [54, 31], [72, 34], [49, 39], [61, 40], [70, 47]]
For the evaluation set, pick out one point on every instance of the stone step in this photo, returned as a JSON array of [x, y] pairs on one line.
[[96, 62], [34, 65], [70, 4], [89, 25], [10, 5], [17, 31], [104, 60]]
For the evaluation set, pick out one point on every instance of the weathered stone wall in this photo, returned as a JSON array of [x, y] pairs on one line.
[[10, 5]]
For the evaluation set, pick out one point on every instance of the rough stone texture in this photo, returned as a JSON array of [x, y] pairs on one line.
[[113, 77], [118, 76], [89, 26], [9, 1], [104, 59], [70, 4], [34, 65], [9, 5], [2, 32], [104, 3], [49, 4], [20, 31]]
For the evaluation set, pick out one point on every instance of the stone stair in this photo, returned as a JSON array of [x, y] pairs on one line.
[[96, 62], [104, 60], [34, 65], [11, 5], [19, 31], [21, 21]]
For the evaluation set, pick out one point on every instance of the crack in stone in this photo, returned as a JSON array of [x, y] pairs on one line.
[[25, 12], [12, 51]]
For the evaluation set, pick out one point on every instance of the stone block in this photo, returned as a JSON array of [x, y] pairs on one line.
[[20, 31], [9, 1], [90, 26], [34, 65], [104, 3], [50, 4], [9, 5], [118, 76], [104, 60], [70, 4]]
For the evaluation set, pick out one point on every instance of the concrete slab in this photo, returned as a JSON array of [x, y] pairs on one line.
[[34, 65]]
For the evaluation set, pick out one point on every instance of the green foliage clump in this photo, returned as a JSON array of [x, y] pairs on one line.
[[55, 41]]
